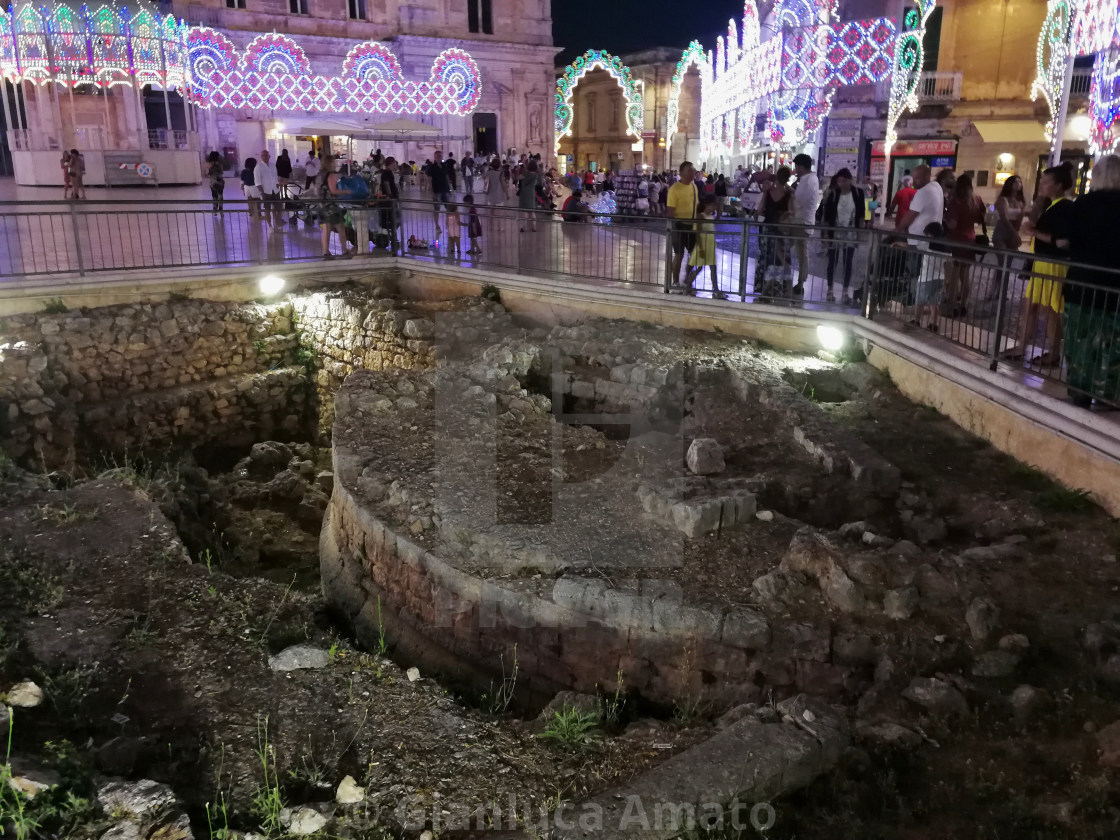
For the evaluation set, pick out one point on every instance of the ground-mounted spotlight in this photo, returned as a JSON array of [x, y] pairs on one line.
[[832, 339], [271, 285]]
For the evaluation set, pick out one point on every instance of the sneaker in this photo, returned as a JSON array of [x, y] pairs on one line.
[[719, 295], [328, 256], [846, 299], [831, 297], [799, 290]]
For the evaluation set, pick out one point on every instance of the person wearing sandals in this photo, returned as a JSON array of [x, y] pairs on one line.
[[331, 214], [1044, 291]]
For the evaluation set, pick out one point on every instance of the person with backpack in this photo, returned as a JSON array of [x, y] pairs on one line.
[[330, 211]]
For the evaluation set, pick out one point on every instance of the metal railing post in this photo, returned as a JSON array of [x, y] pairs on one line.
[[1004, 262], [669, 278], [395, 218], [744, 258], [871, 266], [77, 239]]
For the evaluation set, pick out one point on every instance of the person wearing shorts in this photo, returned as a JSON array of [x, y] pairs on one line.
[[680, 206]]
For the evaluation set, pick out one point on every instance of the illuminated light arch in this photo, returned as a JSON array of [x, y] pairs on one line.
[[752, 26], [693, 56], [909, 57], [9, 68], [274, 54], [734, 45], [574, 72], [29, 30], [1104, 103], [1051, 57], [454, 68], [110, 47], [69, 45], [454, 87], [372, 60], [208, 52]]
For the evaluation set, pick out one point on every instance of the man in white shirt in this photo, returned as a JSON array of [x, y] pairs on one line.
[[806, 197], [311, 169], [926, 207], [269, 183]]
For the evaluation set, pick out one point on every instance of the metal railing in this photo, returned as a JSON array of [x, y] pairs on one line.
[[939, 86], [1081, 81], [1002, 305]]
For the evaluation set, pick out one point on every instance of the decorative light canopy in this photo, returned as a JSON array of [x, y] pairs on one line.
[[793, 75], [71, 45], [574, 72], [909, 58], [693, 57], [275, 74], [1082, 27]]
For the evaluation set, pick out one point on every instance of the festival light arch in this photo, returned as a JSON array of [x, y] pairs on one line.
[[1080, 28], [574, 72], [274, 73], [790, 77], [693, 57]]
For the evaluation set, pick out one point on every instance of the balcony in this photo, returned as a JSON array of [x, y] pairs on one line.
[[933, 88], [1079, 84]]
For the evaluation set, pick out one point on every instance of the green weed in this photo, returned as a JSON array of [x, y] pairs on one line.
[[500, 696], [491, 293], [382, 642], [571, 727], [54, 306], [268, 801], [63, 514], [68, 690], [1059, 499]]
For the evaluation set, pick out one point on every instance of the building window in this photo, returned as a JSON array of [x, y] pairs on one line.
[[358, 10], [931, 43], [590, 113], [298, 7], [480, 16], [235, 4]]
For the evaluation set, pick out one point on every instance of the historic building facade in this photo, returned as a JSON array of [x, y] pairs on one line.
[[509, 42], [141, 90]]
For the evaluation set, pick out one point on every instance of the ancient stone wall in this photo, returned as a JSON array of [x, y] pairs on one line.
[[90, 382], [358, 329], [581, 635]]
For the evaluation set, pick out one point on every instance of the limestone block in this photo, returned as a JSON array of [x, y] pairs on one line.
[[705, 457]]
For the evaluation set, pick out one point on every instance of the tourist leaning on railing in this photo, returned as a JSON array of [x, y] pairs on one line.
[[1093, 314], [1044, 292]]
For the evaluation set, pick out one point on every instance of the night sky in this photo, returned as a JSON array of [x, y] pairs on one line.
[[620, 26]]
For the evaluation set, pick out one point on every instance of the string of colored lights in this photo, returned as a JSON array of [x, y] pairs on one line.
[[692, 57], [1051, 57], [72, 46], [1104, 99], [584, 64], [264, 78], [795, 72]]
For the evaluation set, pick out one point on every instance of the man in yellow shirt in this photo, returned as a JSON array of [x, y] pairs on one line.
[[680, 205]]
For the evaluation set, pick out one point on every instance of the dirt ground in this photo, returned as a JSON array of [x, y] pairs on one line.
[[156, 667]]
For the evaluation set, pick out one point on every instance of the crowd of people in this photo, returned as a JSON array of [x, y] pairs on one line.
[[936, 220]]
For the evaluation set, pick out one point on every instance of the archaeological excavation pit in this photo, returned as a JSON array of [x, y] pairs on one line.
[[688, 524]]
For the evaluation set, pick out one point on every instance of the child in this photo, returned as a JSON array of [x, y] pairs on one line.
[[704, 252], [474, 226], [454, 231], [928, 284]]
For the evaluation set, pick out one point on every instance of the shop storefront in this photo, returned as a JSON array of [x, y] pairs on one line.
[[907, 154]]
